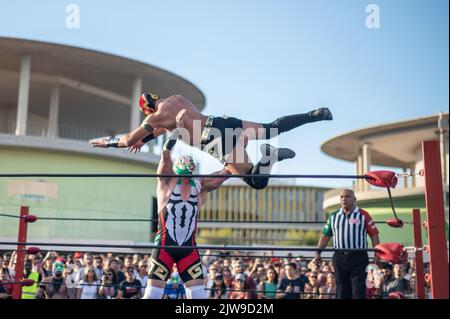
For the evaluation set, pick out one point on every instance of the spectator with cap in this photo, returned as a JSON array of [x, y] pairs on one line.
[[239, 288], [78, 256], [349, 227], [130, 288], [249, 284], [218, 288]]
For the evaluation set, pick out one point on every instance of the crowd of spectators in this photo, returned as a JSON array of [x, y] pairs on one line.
[[121, 276]]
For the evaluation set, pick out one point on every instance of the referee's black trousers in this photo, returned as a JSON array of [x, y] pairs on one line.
[[350, 274]]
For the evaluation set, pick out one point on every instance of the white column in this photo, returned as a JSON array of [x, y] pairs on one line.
[[405, 179], [135, 112], [360, 171], [24, 90], [367, 162], [52, 130], [443, 137], [412, 182], [356, 187]]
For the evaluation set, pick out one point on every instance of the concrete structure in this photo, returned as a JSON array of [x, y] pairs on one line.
[[396, 146], [53, 99]]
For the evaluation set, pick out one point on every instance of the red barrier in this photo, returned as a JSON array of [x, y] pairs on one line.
[[437, 241], [417, 224], [20, 254]]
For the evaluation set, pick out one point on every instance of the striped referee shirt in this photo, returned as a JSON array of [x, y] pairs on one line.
[[350, 230]]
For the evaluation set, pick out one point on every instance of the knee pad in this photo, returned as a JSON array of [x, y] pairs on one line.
[[195, 292], [256, 182], [152, 292]]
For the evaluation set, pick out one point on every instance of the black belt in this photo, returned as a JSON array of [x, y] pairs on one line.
[[351, 253]]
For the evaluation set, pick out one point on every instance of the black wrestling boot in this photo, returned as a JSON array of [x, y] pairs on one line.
[[273, 154], [321, 114]]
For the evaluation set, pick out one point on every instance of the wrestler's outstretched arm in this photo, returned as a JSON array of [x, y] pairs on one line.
[[148, 130], [136, 138], [210, 184], [137, 146]]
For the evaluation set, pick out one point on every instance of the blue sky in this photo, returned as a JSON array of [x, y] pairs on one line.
[[259, 60]]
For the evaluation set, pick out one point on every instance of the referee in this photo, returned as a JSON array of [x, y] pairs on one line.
[[349, 227]]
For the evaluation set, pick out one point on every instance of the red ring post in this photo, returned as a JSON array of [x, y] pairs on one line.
[[20, 254], [434, 196], [420, 277]]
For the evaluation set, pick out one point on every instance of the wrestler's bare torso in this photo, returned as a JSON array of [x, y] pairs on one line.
[[178, 112]]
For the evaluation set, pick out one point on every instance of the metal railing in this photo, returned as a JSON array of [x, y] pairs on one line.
[[40, 129]]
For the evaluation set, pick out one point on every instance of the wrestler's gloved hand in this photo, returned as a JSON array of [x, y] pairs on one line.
[[171, 141]]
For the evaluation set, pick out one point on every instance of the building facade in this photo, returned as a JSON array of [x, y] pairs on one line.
[[53, 99]]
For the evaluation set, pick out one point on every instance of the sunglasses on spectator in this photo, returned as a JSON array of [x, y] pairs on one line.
[[312, 276], [131, 270]]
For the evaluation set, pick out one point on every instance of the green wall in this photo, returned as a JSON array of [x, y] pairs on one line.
[[79, 197]]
